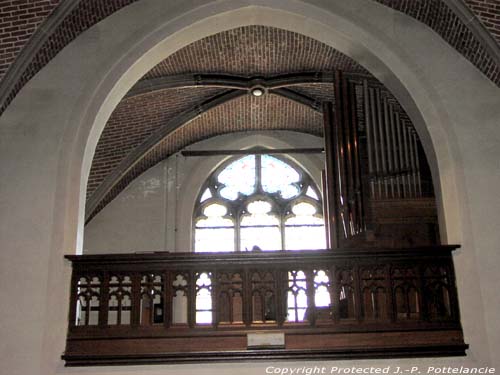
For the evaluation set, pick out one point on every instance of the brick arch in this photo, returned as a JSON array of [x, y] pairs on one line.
[[43, 223], [35, 31]]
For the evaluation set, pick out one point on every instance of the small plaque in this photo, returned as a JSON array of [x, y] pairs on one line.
[[266, 340]]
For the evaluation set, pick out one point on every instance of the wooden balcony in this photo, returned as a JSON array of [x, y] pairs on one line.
[[187, 307]]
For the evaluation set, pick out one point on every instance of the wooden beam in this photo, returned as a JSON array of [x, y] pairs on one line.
[[189, 153]]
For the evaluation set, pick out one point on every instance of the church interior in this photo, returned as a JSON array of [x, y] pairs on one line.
[[193, 185]]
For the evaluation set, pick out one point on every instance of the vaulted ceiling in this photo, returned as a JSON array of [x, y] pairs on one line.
[[202, 90], [32, 32]]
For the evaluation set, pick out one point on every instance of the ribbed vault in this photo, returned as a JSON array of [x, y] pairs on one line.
[[202, 91]]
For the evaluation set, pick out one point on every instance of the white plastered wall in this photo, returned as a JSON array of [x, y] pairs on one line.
[[49, 132], [155, 211]]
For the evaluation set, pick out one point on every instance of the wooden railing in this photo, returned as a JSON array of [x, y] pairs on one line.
[[178, 307]]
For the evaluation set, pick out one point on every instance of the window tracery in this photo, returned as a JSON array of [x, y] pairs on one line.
[[259, 203]]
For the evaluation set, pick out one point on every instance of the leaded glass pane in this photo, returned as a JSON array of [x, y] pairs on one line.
[[305, 238], [206, 195], [289, 191], [214, 217], [238, 177], [277, 176], [213, 222], [304, 209], [260, 238], [215, 210], [214, 240], [304, 220], [259, 215], [259, 220], [311, 193], [259, 207]]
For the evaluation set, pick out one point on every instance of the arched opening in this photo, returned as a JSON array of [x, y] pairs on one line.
[[254, 203], [62, 231]]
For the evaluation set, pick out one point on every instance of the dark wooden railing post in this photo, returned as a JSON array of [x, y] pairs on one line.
[[136, 300], [167, 298], [215, 293], [454, 305], [192, 299], [311, 305], [104, 300], [388, 293], [335, 293], [247, 297], [280, 285], [73, 298], [358, 296], [424, 313]]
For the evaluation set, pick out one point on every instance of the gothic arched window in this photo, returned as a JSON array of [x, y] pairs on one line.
[[258, 202]]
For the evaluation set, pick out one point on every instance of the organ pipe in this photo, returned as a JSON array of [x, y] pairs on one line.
[[392, 148], [358, 196], [375, 142], [341, 141], [382, 142], [343, 177], [401, 154], [404, 130], [331, 189], [369, 136], [417, 164], [387, 136], [412, 163]]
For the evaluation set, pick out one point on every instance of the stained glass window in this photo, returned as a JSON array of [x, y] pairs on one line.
[[305, 229], [277, 176], [238, 177], [258, 203], [214, 230]]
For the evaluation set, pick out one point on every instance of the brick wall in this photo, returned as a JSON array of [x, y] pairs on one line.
[[255, 50], [85, 15], [434, 13], [133, 120], [440, 18], [247, 113], [18, 21], [488, 11]]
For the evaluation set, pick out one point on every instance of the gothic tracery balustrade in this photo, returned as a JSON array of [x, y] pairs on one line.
[[161, 304]]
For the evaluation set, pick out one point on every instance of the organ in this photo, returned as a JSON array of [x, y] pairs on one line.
[[374, 189]]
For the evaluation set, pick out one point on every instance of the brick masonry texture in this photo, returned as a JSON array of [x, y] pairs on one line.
[[134, 120], [277, 52], [488, 11], [247, 113], [249, 51], [85, 15], [434, 13], [255, 50], [440, 18], [18, 21]]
